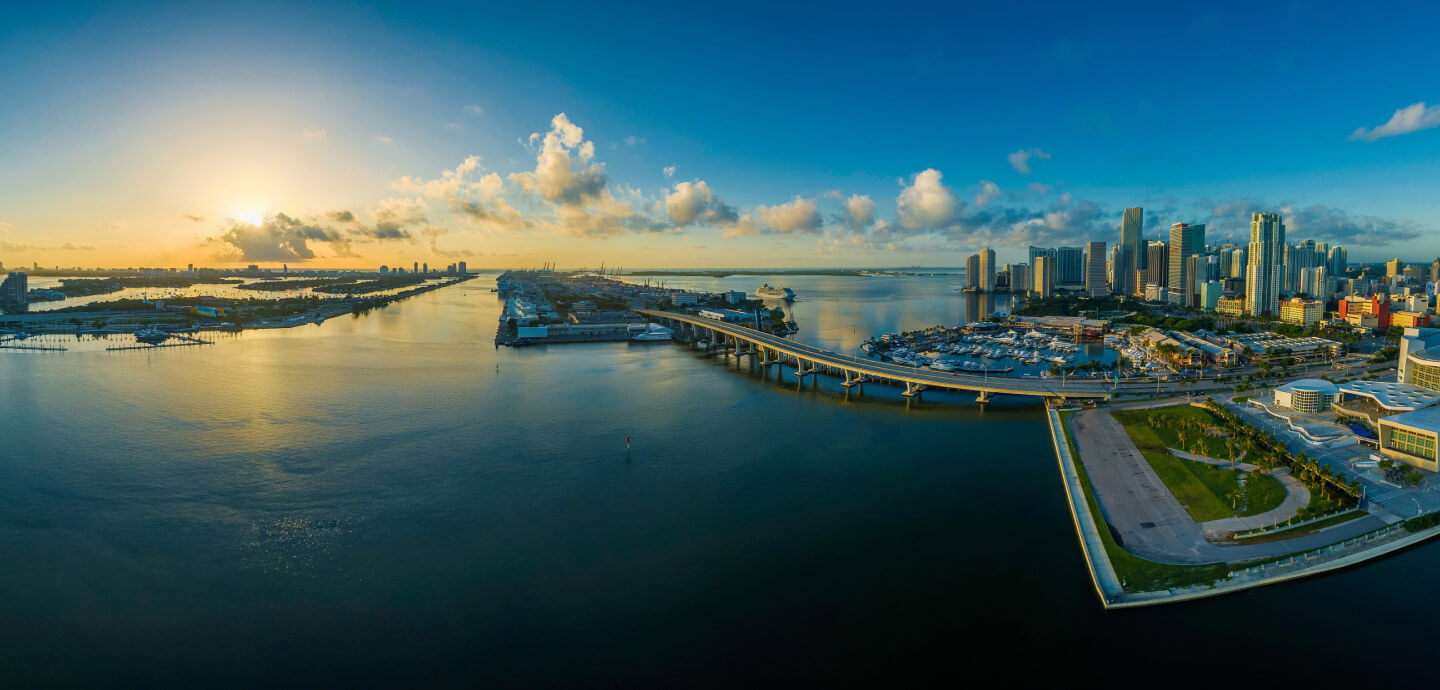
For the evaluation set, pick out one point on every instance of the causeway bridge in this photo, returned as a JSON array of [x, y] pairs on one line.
[[768, 349]]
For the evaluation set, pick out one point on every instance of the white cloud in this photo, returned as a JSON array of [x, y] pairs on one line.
[[669, 171], [565, 171], [633, 140], [474, 109], [1020, 160], [799, 215], [926, 203], [695, 202], [382, 139], [859, 212], [314, 134], [989, 191], [453, 184], [1411, 118]]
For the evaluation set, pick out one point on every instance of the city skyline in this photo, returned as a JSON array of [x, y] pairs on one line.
[[134, 142]]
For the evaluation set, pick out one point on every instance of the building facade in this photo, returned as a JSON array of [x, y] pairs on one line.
[[987, 269], [1302, 312], [1186, 240], [15, 289], [1095, 270], [1263, 284], [1044, 277], [1131, 227]]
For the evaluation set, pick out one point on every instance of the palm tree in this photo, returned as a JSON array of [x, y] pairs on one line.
[[1234, 495]]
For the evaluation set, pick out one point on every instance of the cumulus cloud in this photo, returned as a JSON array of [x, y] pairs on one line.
[[392, 216], [565, 168], [926, 203], [989, 191], [474, 109], [341, 216], [858, 212], [633, 141], [669, 171], [1411, 118], [799, 215], [279, 238], [314, 134], [434, 234], [1020, 160], [454, 184], [1340, 227], [690, 203]]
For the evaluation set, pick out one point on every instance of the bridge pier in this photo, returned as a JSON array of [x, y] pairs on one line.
[[912, 390], [800, 369], [983, 397]]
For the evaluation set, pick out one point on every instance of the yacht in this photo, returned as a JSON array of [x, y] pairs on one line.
[[151, 335], [941, 366], [767, 291], [653, 334]]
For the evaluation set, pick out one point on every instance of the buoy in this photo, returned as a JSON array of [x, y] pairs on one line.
[[627, 443]]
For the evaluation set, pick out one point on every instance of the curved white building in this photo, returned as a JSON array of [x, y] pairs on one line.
[[1307, 396]]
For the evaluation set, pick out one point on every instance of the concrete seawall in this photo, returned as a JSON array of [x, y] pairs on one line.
[[1102, 573]]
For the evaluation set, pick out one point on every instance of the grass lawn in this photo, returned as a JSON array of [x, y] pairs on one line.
[[1203, 489], [1213, 446], [1139, 574]]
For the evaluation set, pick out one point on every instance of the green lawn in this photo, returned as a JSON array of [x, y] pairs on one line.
[[1214, 446], [1203, 489], [1139, 574]]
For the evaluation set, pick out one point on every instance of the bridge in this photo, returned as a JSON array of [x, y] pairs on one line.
[[768, 349]]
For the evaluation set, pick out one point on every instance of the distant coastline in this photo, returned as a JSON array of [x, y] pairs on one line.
[[726, 273]]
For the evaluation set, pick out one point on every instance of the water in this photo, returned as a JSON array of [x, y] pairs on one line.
[[387, 500]]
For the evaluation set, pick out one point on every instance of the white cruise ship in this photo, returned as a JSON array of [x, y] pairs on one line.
[[654, 333], [766, 291]]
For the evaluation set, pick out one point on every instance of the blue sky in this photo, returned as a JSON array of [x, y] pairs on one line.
[[128, 122]]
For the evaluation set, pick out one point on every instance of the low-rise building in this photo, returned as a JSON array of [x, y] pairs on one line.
[[1411, 438], [1230, 307], [1302, 312], [1307, 396], [724, 314], [1273, 346], [684, 298], [1409, 319]]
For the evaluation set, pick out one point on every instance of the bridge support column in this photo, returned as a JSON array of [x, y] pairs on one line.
[[983, 397], [912, 390], [801, 370]]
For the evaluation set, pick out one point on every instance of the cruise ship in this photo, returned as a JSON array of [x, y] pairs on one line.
[[766, 291]]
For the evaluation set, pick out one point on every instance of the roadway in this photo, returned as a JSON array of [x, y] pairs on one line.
[[1053, 388]]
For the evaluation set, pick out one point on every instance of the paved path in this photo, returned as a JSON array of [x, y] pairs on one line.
[[1151, 523]]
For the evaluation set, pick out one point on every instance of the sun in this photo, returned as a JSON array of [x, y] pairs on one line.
[[252, 217]]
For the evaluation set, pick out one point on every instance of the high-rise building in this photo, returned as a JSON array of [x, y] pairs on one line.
[[1156, 271], [987, 270], [15, 289], [460, 268], [1070, 265], [1019, 278], [1225, 257], [415, 268], [972, 272], [1338, 261], [1131, 227], [1095, 269], [1111, 262], [1238, 263], [1197, 274], [1041, 251], [1210, 294], [1262, 284], [384, 270], [1186, 240], [1393, 268], [1044, 276]]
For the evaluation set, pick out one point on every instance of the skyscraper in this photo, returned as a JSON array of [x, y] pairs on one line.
[[1095, 270], [1131, 226], [1070, 265], [1185, 240], [1262, 284], [1338, 261], [1157, 272], [1044, 276], [987, 270], [15, 289], [1393, 268], [1197, 273], [972, 272], [1019, 278]]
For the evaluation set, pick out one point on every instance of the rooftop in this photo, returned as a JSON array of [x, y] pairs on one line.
[[1427, 419], [1391, 395], [1309, 385]]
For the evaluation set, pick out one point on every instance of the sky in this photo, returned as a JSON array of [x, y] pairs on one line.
[[699, 135]]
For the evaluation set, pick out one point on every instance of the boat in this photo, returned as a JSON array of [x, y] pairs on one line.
[[653, 334], [767, 291], [868, 348], [151, 335], [941, 366]]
